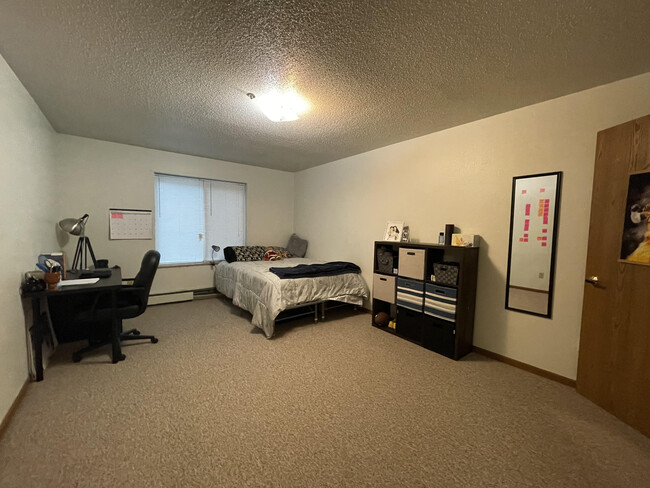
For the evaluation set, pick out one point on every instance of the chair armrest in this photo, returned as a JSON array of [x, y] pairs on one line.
[[126, 291], [133, 291]]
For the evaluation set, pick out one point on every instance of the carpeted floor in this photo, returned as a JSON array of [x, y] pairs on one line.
[[336, 404]]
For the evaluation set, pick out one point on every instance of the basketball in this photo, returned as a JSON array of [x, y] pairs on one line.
[[382, 319]]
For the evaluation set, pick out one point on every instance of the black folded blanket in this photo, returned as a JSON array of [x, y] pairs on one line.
[[312, 270]]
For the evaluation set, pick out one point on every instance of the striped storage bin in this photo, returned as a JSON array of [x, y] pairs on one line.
[[440, 302], [410, 294]]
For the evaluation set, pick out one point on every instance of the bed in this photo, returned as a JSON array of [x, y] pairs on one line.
[[254, 288]]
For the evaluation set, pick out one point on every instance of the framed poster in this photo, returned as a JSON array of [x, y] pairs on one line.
[[533, 232], [635, 242]]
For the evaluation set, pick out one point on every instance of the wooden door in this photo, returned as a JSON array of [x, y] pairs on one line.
[[614, 357]]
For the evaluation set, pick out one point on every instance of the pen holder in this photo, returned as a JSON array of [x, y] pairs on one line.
[[52, 279]]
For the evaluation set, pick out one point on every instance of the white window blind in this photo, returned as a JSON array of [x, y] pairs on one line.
[[193, 214]]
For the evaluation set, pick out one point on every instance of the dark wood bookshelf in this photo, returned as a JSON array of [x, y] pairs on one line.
[[413, 266]]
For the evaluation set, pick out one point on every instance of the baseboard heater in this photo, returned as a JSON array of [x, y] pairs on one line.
[[181, 296]]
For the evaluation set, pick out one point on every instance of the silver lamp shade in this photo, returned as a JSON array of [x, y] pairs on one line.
[[77, 227], [74, 227]]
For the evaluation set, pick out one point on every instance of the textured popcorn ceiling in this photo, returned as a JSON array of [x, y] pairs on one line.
[[173, 75]]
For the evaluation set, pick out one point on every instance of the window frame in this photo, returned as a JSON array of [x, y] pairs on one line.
[[202, 180]]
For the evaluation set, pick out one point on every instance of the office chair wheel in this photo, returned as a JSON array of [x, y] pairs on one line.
[[76, 357], [154, 340], [135, 332]]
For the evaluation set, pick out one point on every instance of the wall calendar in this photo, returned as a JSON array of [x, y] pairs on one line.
[[130, 224]]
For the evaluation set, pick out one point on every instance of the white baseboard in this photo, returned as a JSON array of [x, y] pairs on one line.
[[185, 296]]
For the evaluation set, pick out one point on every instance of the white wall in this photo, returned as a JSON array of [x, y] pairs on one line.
[[28, 216], [93, 176], [464, 176]]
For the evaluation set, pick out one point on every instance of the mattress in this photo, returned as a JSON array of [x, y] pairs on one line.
[[254, 288]]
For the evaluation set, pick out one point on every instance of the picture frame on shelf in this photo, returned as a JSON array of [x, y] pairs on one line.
[[406, 237], [394, 230]]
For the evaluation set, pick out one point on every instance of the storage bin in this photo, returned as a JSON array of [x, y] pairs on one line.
[[410, 294], [446, 273], [439, 336], [409, 324], [385, 260], [383, 288], [411, 263], [440, 302]]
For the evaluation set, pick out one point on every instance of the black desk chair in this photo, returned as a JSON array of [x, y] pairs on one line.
[[131, 302]]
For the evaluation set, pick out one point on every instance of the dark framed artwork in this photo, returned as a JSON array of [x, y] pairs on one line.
[[635, 242], [534, 213]]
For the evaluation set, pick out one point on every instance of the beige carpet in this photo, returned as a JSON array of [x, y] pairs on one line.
[[339, 403]]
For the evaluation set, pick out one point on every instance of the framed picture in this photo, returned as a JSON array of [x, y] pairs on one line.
[[406, 234], [635, 242], [393, 231], [533, 231]]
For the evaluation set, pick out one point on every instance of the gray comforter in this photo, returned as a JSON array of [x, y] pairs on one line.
[[254, 288]]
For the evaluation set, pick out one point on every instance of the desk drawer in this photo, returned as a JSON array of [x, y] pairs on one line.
[[411, 263], [383, 288]]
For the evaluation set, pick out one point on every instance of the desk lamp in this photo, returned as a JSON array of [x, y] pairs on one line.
[[214, 249], [77, 227]]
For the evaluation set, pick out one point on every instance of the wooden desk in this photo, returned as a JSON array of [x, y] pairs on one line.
[[40, 327]]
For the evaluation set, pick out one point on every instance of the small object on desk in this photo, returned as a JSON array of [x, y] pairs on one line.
[[33, 284], [54, 262], [95, 273], [42, 267], [82, 281], [52, 279]]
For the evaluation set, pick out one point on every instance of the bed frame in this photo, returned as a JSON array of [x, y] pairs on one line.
[[305, 309]]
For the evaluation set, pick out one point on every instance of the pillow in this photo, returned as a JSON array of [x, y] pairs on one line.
[[297, 246], [243, 253], [273, 253]]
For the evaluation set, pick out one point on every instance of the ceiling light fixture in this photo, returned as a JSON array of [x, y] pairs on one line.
[[281, 106]]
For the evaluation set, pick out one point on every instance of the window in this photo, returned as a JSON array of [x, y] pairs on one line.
[[193, 214]]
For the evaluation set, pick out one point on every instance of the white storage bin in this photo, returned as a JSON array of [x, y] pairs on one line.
[[383, 288], [411, 263]]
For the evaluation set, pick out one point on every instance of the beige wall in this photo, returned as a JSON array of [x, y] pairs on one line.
[[28, 210], [464, 176], [93, 176]]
